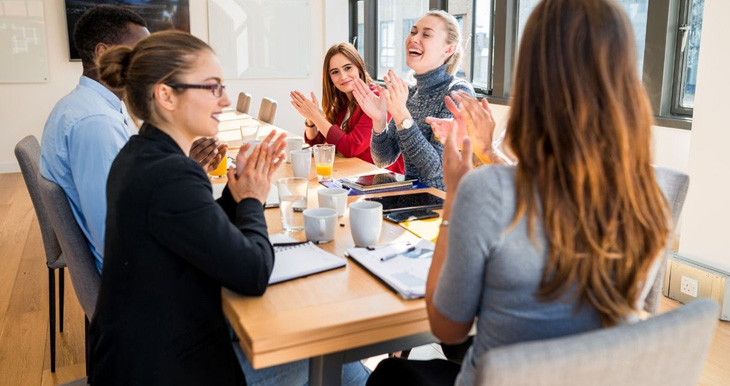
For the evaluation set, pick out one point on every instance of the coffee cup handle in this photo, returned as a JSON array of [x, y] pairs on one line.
[[322, 227]]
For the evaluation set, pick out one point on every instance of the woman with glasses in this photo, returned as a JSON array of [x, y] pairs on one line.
[[341, 121], [169, 246], [570, 239]]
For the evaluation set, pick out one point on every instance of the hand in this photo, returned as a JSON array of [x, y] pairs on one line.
[[456, 164], [307, 108], [252, 177], [479, 121], [209, 152], [396, 95], [442, 127], [372, 105]]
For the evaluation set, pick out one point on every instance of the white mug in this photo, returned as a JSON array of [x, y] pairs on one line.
[[366, 221], [320, 224], [293, 144], [301, 162], [335, 198]]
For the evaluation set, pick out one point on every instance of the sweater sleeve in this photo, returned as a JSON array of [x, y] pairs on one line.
[[184, 217], [384, 147]]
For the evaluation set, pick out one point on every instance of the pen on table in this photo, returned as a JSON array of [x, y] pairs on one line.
[[297, 243], [386, 258]]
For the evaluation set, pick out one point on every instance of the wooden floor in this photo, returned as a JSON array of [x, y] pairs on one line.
[[24, 332]]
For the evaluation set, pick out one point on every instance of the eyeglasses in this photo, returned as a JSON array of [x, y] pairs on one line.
[[216, 89]]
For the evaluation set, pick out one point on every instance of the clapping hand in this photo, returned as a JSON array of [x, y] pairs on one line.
[[456, 163], [208, 152], [442, 127], [372, 105], [396, 95], [308, 108], [252, 176], [479, 120]]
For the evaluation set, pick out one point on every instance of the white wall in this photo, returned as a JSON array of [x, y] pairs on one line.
[[707, 211], [25, 107]]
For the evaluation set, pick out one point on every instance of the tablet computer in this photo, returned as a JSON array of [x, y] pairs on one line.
[[409, 201]]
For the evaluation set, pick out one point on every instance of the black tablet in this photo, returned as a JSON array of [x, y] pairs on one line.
[[409, 201]]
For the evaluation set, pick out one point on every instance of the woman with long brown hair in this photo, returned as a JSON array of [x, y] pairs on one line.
[[341, 121], [569, 239]]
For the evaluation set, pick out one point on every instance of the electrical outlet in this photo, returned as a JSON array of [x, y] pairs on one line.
[[689, 286]]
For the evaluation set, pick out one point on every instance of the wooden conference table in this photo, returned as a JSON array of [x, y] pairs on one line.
[[333, 317]]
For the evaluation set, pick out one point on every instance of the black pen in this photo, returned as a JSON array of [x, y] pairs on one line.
[[386, 258], [297, 243]]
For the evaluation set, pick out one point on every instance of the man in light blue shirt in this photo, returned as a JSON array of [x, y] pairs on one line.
[[87, 128]]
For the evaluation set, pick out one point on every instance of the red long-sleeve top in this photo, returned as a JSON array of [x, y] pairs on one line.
[[356, 143]]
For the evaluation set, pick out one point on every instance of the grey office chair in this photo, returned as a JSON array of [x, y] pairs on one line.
[[674, 184], [79, 259], [244, 103], [28, 153], [666, 350], [267, 111]]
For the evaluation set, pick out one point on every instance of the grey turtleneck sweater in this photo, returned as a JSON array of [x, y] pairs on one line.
[[422, 153]]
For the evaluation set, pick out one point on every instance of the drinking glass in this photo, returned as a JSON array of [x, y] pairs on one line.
[[221, 170], [324, 158], [292, 202], [249, 132]]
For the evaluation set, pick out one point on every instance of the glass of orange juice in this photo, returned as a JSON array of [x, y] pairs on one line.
[[221, 170], [324, 158]]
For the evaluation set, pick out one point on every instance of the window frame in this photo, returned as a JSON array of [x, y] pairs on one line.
[[661, 72]]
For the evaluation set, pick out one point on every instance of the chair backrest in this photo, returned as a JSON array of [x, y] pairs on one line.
[[267, 111], [674, 184], [77, 255], [244, 102], [665, 350], [28, 153]]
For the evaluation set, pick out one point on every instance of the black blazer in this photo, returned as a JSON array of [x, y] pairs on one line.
[[169, 249]]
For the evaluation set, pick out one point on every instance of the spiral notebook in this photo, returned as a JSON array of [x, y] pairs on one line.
[[402, 266], [302, 260]]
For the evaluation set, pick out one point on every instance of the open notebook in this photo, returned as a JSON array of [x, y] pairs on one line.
[[302, 260], [402, 266]]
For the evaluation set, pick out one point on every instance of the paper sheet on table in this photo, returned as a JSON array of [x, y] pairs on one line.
[[426, 229]]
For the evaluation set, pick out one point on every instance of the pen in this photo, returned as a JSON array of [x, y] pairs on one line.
[[297, 243], [386, 258]]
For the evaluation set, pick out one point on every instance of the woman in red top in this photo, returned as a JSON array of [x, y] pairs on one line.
[[343, 123]]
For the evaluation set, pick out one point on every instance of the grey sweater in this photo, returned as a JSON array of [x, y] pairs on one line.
[[422, 153]]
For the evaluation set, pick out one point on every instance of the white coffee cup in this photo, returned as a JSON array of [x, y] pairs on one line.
[[320, 224], [366, 221], [301, 162], [293, 144], [253, 143], [335, 198]]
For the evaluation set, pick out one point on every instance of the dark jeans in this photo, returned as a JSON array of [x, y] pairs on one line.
[[403, 372]]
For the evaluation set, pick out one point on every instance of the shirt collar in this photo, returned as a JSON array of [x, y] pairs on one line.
[[103, 91]]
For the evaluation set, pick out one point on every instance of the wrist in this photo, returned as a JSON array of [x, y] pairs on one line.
[[308, 122], [379, 126]]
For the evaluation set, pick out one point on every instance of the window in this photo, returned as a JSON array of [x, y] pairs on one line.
[[636, 9], [688, 42], [359, 40], [392, 16], [387, 46], [482, 46], [491, 30]]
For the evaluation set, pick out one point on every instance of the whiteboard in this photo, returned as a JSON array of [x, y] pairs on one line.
[[258, 39], [23, 46]]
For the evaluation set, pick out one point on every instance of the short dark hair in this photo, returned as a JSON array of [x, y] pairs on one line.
[[102, 24]]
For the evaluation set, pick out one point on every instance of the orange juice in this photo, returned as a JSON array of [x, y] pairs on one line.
[[324, 169], [221, 170]]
